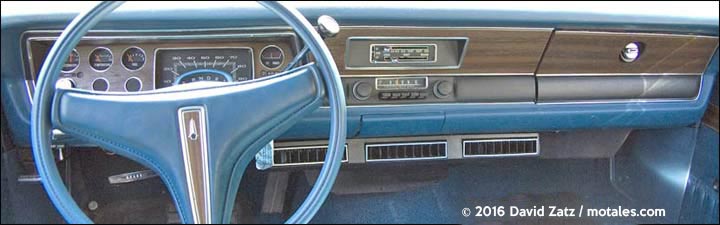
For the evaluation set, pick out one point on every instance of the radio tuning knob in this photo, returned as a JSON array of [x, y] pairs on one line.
[[361, 90], [443, 89]]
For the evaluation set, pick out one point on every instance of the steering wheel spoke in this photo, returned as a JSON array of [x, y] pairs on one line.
[[197, 137]]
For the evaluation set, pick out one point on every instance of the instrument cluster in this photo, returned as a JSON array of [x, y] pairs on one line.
[[110, 65]]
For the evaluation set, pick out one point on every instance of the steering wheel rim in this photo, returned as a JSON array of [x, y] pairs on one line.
[[43, 114]]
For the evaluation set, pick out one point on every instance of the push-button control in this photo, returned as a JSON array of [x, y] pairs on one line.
[[402, 95]]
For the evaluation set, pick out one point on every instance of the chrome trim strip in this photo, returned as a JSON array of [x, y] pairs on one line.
[[282, 28], [453, 28], [347, 157], [439, 105], [618, 101], [614, 74], [441, 75], [28, 84], [287, 28], [201, 213], [168, 37], [631, 33], [444, 143], [536, 139], [131, 177], [29, 178], [155, 63], [460, 60]]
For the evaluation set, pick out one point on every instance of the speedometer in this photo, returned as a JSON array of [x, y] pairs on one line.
[[178, 66]]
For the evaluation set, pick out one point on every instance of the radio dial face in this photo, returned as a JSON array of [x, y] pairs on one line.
[[398, 83]]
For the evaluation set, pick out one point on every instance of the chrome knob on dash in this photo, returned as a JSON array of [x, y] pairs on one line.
[[327, 26], [631, 52]]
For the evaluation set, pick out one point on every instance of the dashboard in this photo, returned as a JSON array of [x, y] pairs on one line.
[[404, 78], [404, 65]]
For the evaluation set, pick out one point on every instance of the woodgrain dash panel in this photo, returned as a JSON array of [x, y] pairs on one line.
[[489, 50], [572, 52]]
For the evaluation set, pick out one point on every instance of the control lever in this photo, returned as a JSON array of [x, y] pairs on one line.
[[131, 177], [327, 27]]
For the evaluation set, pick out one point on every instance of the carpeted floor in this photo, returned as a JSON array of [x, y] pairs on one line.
[[520, 182], [455, 185]]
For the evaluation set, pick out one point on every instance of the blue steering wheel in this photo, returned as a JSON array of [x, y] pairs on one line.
[[198, 138]]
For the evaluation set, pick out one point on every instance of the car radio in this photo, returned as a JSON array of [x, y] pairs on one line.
[[399, 90], [403, 53]]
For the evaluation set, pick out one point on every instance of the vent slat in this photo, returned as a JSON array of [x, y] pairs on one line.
[[406, 151], [301, 155], [500, 147]]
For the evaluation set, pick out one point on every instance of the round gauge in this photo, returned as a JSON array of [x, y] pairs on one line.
[[133, 84], [133, 58], [272, 57], [101, 59], [100, 84], [72, 62]]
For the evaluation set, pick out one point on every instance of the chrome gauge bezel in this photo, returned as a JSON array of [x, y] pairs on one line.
[[282, 55], [133, 78], [122, 60], [74, 51], [100, 78], [112, 59]]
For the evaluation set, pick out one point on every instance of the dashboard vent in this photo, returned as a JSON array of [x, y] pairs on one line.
[[305, 155], [405, 151], [520, 146]]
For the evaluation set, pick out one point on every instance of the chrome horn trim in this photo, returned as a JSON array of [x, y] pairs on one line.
[[193, 137]]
